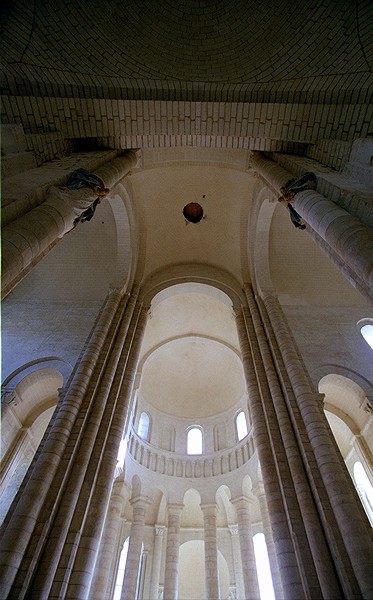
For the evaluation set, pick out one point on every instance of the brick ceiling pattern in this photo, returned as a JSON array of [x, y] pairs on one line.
[[220, 50]]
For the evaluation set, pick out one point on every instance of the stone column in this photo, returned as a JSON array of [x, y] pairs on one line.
[[30, 237], [104, 567], [211, 551], [139, 505], [104, 455], [73, 542], [256, 381], [237, 562], [350, 535], [347, 238], [23, 520], [157, 558], [312, 551], [276, 581], [172, 552], [245, 535]]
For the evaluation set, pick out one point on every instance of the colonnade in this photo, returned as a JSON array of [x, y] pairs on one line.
[[55, 540], [167, 541]]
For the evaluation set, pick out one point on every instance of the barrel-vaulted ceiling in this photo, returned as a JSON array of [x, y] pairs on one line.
[[229, 49]]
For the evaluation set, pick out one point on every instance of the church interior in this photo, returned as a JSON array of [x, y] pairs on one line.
[[187, 371]]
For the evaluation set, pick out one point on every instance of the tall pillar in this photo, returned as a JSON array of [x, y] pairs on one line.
[[350, 535], [30, 237], [237, 562], [349, 240], [157, 559], [276, 581], [104, 455], [211, 552], [250, 577], [311, 547], [104, 567], [280, 513], [171, 577], [139, 506], [23, 521]]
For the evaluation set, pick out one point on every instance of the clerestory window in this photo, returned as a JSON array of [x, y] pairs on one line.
[[366, 330], [241, 425], [143, 427], [194, 441]]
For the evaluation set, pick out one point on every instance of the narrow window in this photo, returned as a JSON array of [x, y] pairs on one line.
[[262, 567], [143, 427], [364, 488], [367, 333], [241, 425], [194, 443], [122, 453], [120, 571]]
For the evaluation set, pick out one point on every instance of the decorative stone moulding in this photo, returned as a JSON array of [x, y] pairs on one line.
[[175, 465]]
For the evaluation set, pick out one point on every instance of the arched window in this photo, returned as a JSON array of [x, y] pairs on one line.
[[143, 427], [364, 488], [194, 441], [262, 567], [241, 425], [366, 330]]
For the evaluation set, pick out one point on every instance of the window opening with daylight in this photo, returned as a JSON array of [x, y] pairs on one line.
[[241, 425], [120, 571], [194, 441], [367, 333], [364, 488], [262, 568], [143, 427]]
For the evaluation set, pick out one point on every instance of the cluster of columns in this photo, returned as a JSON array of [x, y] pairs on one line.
[[53, 543], [321, 545], [242, 547], [57, 519], [316, 519]]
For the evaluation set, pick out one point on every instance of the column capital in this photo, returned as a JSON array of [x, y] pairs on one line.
[[233, 529], [258, 489], [244, 499], [140, 502], [159, 530], [209, 508], [174, 509]]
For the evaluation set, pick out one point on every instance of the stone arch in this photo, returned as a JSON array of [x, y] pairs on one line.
[[258, 243], [341, 370], [192, 273], [192, 512], [247, 485], [136, 486], [350, 418], [344, 394], [25, 417], [126, 233], [224, 493], [32, 396], [53, 362], [179, 339], [191, 560]]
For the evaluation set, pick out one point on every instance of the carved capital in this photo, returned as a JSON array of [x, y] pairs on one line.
[[159, 530], [233, 529]]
